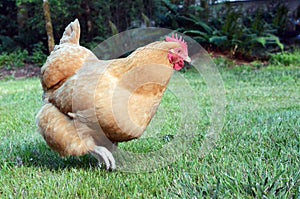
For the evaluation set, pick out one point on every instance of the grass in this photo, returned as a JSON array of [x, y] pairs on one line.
[[256, 156]]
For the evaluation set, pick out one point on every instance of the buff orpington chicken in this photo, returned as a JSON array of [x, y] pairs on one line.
[[90, 105]]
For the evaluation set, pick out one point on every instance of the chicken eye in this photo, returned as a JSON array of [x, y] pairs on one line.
[[179, 51]]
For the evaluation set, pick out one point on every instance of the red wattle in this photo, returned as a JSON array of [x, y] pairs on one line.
[[178, 64]]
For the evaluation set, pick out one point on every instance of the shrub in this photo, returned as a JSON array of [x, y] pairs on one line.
[[38, 56], [19, 58], [23, 23], [234, 29], [286, 59], [14, 59]]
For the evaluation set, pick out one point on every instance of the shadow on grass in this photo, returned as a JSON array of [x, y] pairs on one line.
[[38, 154]]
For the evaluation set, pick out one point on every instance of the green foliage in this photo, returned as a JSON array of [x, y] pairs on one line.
[[234, 28], [232, 25], [257, 24], [24, 24], [146, 20], [267, 40], [20, 57], [113, 27], [224, 27], [286, 59], [38, 56], [15, 59], [280, 18], [218, 40]]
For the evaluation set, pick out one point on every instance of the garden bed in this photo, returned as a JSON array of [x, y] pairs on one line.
[[20, 72]]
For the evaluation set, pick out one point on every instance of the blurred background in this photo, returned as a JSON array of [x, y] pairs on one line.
[[247, 30]]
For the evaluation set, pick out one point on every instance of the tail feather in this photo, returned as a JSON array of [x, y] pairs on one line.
[[72, 33]]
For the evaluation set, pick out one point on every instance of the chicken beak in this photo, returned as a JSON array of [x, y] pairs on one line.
[[188, 59]]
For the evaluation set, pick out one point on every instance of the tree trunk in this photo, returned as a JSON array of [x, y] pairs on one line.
[[87, 20], [49, 28]]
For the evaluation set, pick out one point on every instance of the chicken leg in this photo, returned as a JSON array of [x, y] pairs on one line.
[[69, 137]]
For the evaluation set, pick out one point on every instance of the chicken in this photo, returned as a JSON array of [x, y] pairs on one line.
[[64, 60], [90, 105]]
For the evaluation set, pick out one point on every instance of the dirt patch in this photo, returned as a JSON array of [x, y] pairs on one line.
[[20, 73], [238, 60]]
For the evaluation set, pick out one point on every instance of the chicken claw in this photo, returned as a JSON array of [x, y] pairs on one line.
[[103, 154]]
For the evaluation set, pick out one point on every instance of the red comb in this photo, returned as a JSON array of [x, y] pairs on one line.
[[175, 38]]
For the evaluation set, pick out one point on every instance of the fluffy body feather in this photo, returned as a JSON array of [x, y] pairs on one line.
[[91, 104]]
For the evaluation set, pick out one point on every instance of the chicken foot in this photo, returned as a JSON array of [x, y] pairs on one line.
[[101, 153], [104, 155]]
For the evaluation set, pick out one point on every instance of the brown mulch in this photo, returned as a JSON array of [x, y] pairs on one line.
[[20, 73], [238, 60]]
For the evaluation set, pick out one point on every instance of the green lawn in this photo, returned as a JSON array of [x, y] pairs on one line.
[[257, 154]]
